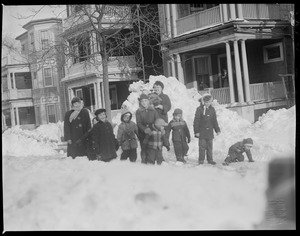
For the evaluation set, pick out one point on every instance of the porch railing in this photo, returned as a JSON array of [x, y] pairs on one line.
[[266, 91], [261, 11], [258, 92]]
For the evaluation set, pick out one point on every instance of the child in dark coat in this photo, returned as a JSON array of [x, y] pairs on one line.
[[154, 142], [103, 138], [235, 152], [180, 135], [127, 136], [205, 123]]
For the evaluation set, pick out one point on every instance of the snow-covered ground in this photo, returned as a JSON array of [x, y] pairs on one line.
[[45, 190]]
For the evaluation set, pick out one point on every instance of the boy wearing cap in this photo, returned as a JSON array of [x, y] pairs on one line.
[[165, 104], [76, 123], [103, 138], [145, 117], [127, 136], [154, 142], [205, 123], [180, 135], [235, 152]]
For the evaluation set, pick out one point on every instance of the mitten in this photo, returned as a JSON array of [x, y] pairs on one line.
[[147, 131]]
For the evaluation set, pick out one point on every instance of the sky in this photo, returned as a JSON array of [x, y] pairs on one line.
[[15, 16], [45, 190]]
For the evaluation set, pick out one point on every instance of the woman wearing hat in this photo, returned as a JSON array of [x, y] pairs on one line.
[[205, 123], [76, 123], [165, 105]]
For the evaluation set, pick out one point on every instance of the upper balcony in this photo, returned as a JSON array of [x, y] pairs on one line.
[[217, 15], [16, 94], [116, 65], [82, 17]]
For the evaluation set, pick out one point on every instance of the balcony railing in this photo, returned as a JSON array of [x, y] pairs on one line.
[[199, 20], [16, 94], [212, 16]]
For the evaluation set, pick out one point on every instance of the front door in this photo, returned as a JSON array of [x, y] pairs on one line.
[[202, 72]]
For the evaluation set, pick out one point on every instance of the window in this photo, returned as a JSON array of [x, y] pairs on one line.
[[78, 93], [48, 77], [273, 53], [81, 48], [51, 113], [44, 39], [32, 41]]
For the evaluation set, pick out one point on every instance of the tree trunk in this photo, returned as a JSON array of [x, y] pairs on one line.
[[106, 86]]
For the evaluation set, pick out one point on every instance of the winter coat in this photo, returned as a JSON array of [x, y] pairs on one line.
[[166, 102], [156, 140], [238, 149], [75, 130], [104, 140], [127, 134], [144, 119], [205, 124], [180, 130]]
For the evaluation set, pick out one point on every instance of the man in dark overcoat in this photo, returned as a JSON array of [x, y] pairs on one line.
[[76, 123]]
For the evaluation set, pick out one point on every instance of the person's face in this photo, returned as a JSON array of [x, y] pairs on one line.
[[77, 105], [126, 117], [207, 104], [248, 146], [157, 89], [145, 103], [95, 121], [177, 117], [102, 116]]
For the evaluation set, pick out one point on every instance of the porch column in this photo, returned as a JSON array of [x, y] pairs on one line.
[[14, 81], [12, 116], [9, 85], [168, 20], [245, 70], [102, 95], [17, 114], [232, 12], [180, 75], [224, 11], [239, 11], [238, 72], [229, 68], [96, 95], [174, 18], [173, 71], [70, 96]]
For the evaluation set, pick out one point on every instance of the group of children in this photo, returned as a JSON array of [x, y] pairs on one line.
[[153, 131]]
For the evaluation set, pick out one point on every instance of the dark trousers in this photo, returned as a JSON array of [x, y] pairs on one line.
[[180, 149], [143, 151], [153, 155], [234, 157], [205, 145], [131, 153]]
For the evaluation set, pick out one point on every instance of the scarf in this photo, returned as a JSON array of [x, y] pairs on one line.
[[75, 113]]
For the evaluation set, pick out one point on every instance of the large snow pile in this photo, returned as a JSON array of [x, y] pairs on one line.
[[44, 190]]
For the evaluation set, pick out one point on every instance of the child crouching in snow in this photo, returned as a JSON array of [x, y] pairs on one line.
[[235, 153], [154, 142], [180, 135]]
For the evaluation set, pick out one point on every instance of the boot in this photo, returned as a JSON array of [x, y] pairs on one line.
[[212, 162]]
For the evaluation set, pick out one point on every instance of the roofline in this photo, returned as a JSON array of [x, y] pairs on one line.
[[41, 21], [21, 35]]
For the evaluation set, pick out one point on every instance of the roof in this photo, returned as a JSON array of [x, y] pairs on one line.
[[41, 21]]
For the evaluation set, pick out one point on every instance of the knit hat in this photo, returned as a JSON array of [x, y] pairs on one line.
[[99, 111], [206, 97], [75, 99], [159, 83], [177, 111], [143, 96], [160, 122], [248, 141]]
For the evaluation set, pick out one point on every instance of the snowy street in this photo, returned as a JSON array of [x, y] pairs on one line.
[[45, 190]]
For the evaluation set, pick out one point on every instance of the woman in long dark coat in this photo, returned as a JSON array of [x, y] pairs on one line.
[[76, 123], [104, 141]]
